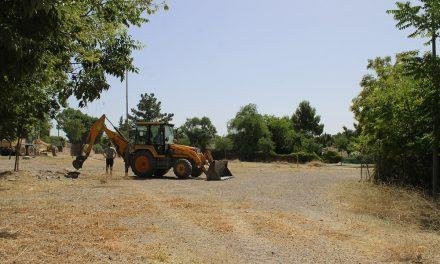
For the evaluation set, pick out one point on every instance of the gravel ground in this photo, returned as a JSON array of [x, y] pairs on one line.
[[268, 213]]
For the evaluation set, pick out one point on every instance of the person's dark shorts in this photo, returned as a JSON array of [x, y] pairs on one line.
[[109, 163]]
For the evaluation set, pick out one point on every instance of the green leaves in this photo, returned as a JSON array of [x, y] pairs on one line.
[[150, 109], [306, 121], [199, 131], [393, 121], [75, 124], [423, 18], [54, 49], [246, 130]]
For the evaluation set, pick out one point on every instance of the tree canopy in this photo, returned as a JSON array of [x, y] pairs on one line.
[[393, 122], [246, 129], [75, 124], [54, 49], [150, 109], [306, 121], [199, 131]]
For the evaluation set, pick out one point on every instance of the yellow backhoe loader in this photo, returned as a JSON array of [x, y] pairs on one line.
[[151, 152]]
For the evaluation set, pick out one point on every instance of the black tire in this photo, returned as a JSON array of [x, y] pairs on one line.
[[143, 164], [196, 172], [182, 168], [161, 172]]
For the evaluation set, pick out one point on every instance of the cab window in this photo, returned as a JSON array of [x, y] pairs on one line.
[[156, 136], [142, 135], [169, 135]]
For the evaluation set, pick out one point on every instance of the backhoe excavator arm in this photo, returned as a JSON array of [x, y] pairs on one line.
[[120, 142]]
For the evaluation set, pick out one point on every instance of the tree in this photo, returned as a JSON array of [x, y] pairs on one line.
[[76, 125], [393, 123], [343, 140], [306, 121], [124, 127], [425, 19], [246, 129], [200, 131], [223, 144], [149, 109], [266, 146], [54, 49], [67, 47], [180, 137], [281, 131], [326, 140], [309, 145]]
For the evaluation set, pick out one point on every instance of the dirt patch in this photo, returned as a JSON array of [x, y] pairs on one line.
[[269, 213]]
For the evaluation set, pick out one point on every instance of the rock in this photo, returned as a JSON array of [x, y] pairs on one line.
[[72, 174]]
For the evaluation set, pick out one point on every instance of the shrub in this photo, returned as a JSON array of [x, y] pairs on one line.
[[97, 148], [331, 157]]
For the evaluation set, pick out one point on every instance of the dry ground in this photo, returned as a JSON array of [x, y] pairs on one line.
[[269, 213]]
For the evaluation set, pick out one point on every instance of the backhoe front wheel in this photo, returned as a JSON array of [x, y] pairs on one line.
[[182, 168], [143, 164], [196, 172]]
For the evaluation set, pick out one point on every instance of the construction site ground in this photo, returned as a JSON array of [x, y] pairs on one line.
[[268, 213]]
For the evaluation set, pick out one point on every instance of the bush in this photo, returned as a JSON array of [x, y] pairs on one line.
[[301, 157], [98, 149], [331, 157], [356, 158]]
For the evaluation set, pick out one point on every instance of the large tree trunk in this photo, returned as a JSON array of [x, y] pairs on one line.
[[17, 155]]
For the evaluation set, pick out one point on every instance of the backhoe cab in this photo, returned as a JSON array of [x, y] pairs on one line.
[[151, 151]]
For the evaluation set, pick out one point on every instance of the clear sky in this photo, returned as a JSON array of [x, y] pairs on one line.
[[209, 58]]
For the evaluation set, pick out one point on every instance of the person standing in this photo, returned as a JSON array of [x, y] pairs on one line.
[[110, 155]]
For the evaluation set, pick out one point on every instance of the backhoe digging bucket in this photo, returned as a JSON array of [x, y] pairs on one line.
[[218, 170], [78, 162]]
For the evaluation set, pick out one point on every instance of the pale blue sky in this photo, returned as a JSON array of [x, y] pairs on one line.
[[209, 58]]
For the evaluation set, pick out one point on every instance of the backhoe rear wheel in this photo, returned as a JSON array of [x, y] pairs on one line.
[[182, 168], [143, 164]]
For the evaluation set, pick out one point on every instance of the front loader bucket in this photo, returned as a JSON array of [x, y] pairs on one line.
[[218, 170]]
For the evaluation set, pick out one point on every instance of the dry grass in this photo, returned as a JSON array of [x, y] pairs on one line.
[[315, 163], [399, 205], [157, 252], [57, 220], [397, 224], [207, 215], [406, 252], [45, 217], [276, 224]]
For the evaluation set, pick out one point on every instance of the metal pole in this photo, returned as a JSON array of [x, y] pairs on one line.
[[126, 96]]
